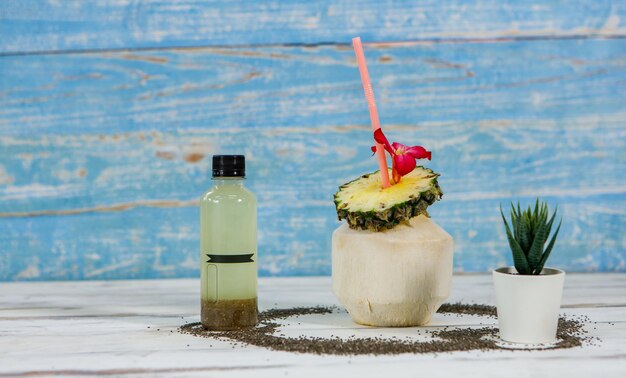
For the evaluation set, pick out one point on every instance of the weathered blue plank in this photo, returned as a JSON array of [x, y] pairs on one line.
[[84, 134], [37, 25], [291, 87]]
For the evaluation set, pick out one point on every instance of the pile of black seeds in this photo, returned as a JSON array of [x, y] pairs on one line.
[[570, 334], [467, 309]]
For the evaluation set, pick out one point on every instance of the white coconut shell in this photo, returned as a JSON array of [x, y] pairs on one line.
[[394, 278]]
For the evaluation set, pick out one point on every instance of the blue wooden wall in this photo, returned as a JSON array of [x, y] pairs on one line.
[[110, 111]]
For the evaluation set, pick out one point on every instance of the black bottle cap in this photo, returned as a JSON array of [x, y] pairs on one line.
[[229, 166]]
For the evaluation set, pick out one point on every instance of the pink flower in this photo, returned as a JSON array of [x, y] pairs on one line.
[[402, 157]]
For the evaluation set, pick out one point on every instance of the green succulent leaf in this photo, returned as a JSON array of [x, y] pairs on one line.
[[534, 255], [552, 221], [524, 238], [515, 222], [546, 254], [541, 236], [519, 258]]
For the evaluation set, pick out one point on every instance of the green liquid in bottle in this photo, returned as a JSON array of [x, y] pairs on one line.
[[228, 255]]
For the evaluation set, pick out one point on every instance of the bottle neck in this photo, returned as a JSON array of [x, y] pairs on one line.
[[231, 181]]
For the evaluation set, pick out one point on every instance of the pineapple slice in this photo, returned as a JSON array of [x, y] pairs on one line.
[[365, 205]]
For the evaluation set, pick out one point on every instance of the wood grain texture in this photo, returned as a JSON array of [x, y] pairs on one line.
[[128, 328], [28, 26], [103, 155]]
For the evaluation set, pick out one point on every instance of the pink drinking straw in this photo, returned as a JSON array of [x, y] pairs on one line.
[[371, 103]]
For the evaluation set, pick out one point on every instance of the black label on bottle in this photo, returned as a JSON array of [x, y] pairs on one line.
[[230, 259]]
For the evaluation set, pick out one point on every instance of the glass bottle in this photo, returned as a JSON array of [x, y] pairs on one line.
[[228, 248]]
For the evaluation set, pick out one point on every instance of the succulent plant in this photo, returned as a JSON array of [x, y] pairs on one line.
[[531, 229]]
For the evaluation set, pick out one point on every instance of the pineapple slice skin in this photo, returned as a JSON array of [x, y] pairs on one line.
[[382, 219]]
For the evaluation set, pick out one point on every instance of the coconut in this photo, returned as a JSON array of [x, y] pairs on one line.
[[393, 278]]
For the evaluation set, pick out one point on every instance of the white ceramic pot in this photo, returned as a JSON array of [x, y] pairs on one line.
[[528, 305], [394, 278]]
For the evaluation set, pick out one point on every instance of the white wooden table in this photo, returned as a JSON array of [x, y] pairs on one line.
[[128, 328]]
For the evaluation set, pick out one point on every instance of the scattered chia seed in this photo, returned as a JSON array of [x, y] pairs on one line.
[[570, 334]]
